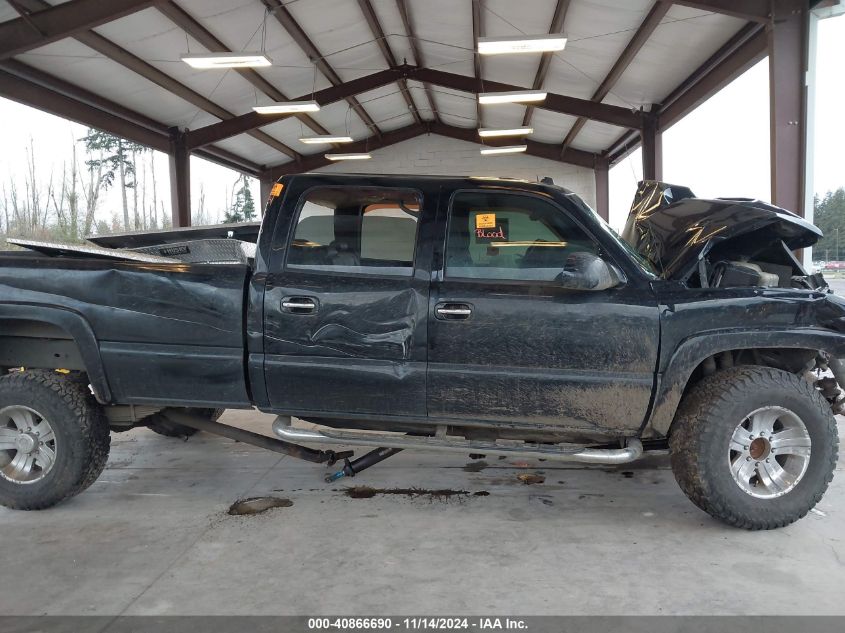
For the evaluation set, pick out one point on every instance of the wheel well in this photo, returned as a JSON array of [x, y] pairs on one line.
[[792, 360], [36, 344]]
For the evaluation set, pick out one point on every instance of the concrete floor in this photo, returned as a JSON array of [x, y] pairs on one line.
[[153, 536]]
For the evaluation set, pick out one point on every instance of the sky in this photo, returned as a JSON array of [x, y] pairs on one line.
[[720, 149]]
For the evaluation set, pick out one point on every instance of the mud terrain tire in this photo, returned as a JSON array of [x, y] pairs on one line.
[[81, 434], [701, 445]]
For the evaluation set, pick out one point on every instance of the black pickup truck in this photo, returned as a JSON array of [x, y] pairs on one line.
[[471, 315]]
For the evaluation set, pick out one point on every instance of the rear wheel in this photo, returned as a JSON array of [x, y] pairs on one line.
[[163, 426], [54, 439], [754, 447]]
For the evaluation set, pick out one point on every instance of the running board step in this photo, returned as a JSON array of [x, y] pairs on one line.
[[283, 428]]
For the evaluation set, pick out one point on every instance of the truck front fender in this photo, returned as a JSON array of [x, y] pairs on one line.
[[76, 327], [692, 351]]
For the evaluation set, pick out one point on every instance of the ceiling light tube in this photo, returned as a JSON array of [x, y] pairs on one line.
[[361, 156], [227, 60], [508, 149], [517, 96], [288, 107], [521, 44], [489, 132], [325, 138]]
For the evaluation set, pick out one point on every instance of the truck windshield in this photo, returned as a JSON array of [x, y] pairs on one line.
[[646, 265]]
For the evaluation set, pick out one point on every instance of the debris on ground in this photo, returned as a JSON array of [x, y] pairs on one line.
[[366, 492], [257, 505], [476, 467], [531, 478]]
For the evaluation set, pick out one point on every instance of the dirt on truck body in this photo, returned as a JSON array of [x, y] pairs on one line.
[[479, 316]]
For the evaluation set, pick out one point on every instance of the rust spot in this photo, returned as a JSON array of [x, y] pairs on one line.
[[257, 505]]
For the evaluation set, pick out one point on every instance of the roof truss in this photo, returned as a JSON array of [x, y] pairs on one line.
[[558, 21], [64, 20]]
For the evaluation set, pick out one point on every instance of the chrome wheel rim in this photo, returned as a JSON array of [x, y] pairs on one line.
[[769, 452], [27, 445]]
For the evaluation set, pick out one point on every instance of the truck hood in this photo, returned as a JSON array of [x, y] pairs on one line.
[[673, 229]]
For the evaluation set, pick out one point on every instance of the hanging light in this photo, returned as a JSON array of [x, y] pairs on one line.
[[521, 44], [508, 149], [516, 96], [360, 156], [325, 138], [227, 60], [489, 132], [288, 107]]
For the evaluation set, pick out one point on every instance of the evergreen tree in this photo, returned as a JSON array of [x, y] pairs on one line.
[[114, 157], [243, 205], [829, 216]]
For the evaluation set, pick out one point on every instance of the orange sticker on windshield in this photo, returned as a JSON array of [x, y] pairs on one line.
[[485, 221], [276, 190]]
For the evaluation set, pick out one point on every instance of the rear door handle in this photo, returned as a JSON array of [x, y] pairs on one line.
[[453, 311], [299, 305]]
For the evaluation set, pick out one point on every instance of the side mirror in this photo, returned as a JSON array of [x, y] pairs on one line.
[[585, 271]]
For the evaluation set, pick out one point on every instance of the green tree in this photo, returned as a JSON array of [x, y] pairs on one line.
[[829, 216], [114, 157], [243, 205]]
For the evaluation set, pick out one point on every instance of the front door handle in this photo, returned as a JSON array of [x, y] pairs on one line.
[[299, 305], [453, 311]]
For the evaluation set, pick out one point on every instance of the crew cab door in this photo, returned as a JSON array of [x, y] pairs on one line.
[[344, 308], [509, 344]]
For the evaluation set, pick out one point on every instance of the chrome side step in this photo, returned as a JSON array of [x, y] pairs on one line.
[[283, 428]]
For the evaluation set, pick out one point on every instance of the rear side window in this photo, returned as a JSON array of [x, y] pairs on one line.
[[356, 230], [510, 236]]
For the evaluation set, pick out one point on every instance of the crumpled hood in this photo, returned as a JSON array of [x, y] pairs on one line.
[[673, 229]]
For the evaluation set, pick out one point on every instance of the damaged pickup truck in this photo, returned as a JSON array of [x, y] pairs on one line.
[[468, 315]]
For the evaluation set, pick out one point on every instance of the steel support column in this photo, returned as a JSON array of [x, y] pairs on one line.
[[180, 180], [788, 54], [652, 149], [602, 172], [266, 185]]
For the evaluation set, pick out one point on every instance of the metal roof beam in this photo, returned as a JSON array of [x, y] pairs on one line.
[[730, 62], [284, 17], [381, 40], [477, 32], [751, 10], [40, 90], [603, 112], [112, 51], [53, 23], [251, 120], [556, 27], [315, 161], [37, 96], [651, 22], [187, 23], [550, 151], [419, 60]]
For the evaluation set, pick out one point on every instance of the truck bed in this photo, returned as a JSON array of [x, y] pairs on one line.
[[165, 332]]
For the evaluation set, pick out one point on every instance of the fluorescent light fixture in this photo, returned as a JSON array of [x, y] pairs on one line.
[[509, 149], [521, 44], [288, 107], [517, 96], [325, 138], [362, 156], [227, 60], [489, 132]]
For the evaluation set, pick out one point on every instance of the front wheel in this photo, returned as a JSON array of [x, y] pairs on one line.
[[54, 439], [754, 447]]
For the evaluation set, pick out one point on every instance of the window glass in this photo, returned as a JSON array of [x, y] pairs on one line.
[[351, 229], [510, 236]]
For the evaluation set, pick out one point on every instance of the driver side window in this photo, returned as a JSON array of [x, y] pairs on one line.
[[510, 236]]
